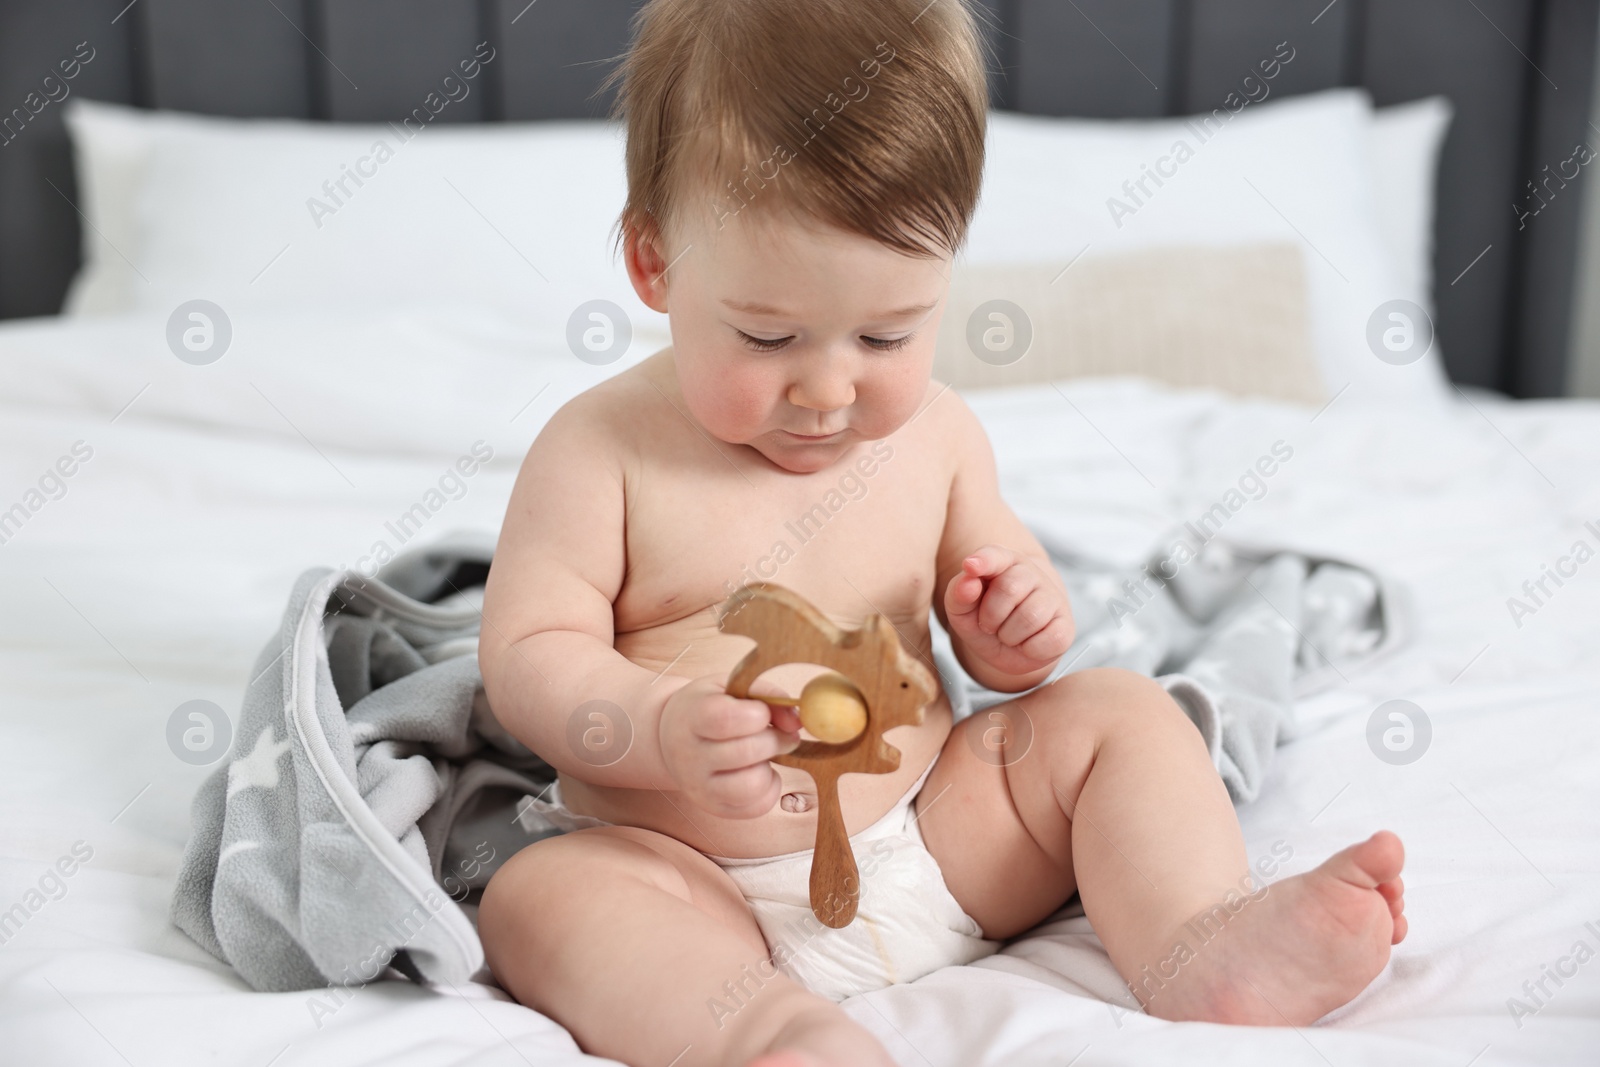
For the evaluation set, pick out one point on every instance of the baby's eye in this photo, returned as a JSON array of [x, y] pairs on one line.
[[763, 344], [886, 345]]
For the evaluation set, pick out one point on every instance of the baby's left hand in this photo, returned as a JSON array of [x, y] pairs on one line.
[[1005, 610]]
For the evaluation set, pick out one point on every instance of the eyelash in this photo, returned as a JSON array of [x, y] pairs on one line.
[[762, 344]]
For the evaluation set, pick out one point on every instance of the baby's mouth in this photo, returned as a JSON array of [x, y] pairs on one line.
[[813, 437]]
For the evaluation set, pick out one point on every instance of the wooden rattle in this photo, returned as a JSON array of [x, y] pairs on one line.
[[875, 686]]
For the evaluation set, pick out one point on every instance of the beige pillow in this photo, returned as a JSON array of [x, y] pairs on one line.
[[1232, 318]]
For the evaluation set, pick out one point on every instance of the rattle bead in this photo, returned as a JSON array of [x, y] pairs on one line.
[[832, 709]]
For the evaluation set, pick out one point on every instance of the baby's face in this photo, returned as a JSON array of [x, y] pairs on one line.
[[792, 338]]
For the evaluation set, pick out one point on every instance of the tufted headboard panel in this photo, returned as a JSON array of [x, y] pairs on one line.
[[1517, 71]]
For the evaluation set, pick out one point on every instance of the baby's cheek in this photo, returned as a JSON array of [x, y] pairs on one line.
[[727, 402], [895, 399], [903, 384]]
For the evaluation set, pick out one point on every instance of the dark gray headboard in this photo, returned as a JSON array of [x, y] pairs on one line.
[[1518, 72]]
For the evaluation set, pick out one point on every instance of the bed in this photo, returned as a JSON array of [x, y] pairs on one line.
[[178, 500]]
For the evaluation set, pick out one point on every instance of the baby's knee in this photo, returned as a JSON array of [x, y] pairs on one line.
[[512, 891], [1114, 699]]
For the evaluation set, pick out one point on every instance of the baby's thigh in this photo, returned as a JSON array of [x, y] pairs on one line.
[[574, 922]]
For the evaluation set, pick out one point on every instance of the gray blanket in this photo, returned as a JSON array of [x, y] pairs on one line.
[[370, 793], [1236, 633]]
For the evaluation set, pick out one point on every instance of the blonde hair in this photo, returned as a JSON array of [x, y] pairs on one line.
[[866, 115]]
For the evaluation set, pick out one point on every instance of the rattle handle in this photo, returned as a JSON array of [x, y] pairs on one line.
[[835, 885], [777, 702]]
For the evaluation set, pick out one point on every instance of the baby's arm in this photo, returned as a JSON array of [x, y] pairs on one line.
[[1006, 611], [546, 643]]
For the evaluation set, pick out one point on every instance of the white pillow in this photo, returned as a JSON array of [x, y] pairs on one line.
[[1405, 140], [265, 214], [205, 232], [1296, 169], [110, 149]]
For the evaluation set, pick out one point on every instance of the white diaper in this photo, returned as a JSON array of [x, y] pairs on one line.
[[907, 924]]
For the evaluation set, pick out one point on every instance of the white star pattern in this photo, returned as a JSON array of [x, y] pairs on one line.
[[1127, 638], [1101, 587], [260, 767], [236, 848]]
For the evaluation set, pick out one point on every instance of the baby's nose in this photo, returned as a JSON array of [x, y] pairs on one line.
[[825, 391]]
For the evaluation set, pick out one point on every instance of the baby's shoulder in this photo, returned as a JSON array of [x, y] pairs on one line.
[[604, 421]]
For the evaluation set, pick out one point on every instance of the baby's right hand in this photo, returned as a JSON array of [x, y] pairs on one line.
[[716, 748]]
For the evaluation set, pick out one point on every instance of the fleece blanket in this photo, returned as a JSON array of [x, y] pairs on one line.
[[371, 794]]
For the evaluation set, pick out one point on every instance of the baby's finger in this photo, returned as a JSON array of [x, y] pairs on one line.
[[722, 720], [1049, 643], [786, 719], [989, 561], [1005, 592], [744, 793], [723, 756], [961, 596], [1028, 617]]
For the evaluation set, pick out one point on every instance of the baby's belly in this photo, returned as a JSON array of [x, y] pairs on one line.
[[791, 825]]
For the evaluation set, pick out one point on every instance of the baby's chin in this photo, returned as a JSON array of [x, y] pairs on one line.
[[803, 457]]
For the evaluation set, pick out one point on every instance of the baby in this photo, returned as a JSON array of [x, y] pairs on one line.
[[801, 174]]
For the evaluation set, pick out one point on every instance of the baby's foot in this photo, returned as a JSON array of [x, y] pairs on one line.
[[1305, 948], [824, 1039]]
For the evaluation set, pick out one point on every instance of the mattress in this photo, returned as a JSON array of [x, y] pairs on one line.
[[152, 574]]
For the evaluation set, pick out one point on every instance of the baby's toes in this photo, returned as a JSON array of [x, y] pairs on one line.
[[1369, 864], [1395, 893], [1380, 857]]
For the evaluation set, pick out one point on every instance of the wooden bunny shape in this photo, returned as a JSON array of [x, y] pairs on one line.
[[894, 687]]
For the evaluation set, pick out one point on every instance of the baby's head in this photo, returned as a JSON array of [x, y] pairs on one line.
[[800, 175]]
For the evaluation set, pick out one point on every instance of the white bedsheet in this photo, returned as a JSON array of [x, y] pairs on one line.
[[157, 576]]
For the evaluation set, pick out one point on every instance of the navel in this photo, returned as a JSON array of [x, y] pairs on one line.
[[796, 802]]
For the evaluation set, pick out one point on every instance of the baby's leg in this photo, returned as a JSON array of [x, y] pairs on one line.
[[626, 937], [1116, 795]]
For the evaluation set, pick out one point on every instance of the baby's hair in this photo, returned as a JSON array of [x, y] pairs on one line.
[[865, 115]]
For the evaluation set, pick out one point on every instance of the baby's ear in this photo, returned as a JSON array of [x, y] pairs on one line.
[[641, 251]]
